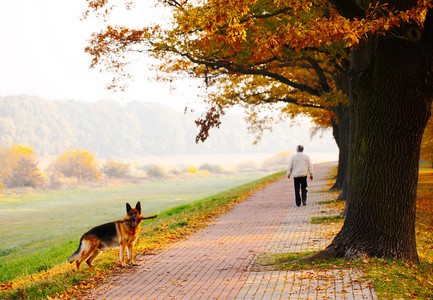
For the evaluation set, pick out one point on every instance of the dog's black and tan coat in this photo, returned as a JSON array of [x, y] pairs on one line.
[[123, 233]]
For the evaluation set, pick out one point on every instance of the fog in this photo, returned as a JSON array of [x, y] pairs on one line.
[[147, 133]]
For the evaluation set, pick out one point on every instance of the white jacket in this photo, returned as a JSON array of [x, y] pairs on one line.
[[300, 165]]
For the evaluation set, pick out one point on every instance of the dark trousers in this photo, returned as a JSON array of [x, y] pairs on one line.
[[300, 183]]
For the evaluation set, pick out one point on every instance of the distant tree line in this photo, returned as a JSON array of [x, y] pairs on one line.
[[135, 128], [19, 167]]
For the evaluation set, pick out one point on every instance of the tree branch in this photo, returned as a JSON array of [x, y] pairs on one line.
[[173, 3], [269, 15], [273, 99], [291, 101], [349, 9], [320, 74], [243, 70]]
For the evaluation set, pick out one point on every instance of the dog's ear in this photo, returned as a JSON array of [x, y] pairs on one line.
[[128, 207], [138, 207]]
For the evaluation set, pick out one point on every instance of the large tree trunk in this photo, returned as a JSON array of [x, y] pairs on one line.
[[341, 130], [341, 136], [392, 92], [344, 195]]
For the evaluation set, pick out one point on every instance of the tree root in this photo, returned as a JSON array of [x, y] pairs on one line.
[[328, 253]]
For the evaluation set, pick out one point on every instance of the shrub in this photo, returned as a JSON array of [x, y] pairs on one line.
[[191, 169], [217, 169], [116, 169], [278, 161], [80, 163], [246, 166], [175, 172], [19, 167], [155, 171]]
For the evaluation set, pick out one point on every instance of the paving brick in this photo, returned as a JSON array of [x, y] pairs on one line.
[[216, 262]]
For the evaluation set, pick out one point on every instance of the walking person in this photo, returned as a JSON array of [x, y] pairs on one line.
[[300, 167]]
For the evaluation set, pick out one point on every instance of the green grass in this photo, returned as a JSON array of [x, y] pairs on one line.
[[392, 279], [171, 224], [327, 201], [41, 230], [327, 220], [290, 261]]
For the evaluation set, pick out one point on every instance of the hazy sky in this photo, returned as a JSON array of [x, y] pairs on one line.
[[42, 54]]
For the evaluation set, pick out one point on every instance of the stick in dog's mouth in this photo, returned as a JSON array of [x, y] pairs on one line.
[[145, 218], [139, 219]]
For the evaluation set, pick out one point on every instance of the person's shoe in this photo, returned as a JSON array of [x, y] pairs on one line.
[[304, 203]]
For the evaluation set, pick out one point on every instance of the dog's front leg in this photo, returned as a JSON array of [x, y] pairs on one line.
[[122, 255], [130, 257]]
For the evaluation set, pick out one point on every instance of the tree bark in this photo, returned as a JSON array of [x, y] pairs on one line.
[[342, 113], [341, 130], [344, 194], [392, 93]]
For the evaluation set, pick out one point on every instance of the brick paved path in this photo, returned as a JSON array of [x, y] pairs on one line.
[[215, 263]]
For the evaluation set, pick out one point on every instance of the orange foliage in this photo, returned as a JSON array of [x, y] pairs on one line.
[[424, 218], [80, 163], [19, 167], [284, 55]]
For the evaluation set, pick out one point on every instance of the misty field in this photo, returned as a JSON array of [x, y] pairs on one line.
[[41, 229]]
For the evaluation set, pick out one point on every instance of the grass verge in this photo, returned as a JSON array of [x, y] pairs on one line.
[[392, 279], [40, 229], [327, 220], [62, 282]]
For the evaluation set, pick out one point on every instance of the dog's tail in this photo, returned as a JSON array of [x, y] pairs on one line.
[[77, 253]]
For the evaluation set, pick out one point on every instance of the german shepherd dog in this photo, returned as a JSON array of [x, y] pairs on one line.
[[123, 233]]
